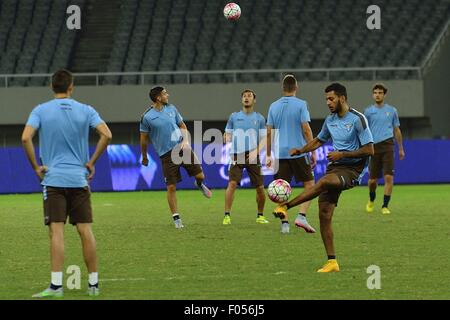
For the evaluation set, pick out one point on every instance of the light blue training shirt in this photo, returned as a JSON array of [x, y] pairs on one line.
[[63, 126], [162, 128], [287, 115], [382, 121], [348, 133], [246, 130]]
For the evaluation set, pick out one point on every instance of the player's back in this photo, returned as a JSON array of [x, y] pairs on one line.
[[63, 126], [286, 115]]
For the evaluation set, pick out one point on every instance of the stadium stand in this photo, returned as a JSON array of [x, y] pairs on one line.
[[33, 38], [186, 35], [273, 37]]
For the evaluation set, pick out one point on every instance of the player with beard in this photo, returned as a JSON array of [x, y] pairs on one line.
[[246, 131], [353, 144]]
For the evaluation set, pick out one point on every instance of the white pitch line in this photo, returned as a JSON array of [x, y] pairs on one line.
[[130, 279]]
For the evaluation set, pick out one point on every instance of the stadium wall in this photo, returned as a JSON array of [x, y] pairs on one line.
[[437, 93], [210, 102]]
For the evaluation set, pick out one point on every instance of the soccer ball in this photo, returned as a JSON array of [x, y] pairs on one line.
[[232, 11], [279, 190]]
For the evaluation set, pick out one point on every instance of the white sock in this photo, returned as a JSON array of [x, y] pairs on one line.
[[93, 278], [57, 278]]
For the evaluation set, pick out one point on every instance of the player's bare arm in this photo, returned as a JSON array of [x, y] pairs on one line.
[[269, 146], [185, 134], [144, 142], [226, 137], [307, 133], [310, 146], [105, 137], [399, 138], [364, 151], [27, 142]]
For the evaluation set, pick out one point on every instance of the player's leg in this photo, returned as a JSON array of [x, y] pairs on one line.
[[89, 248], [303, 172], [194, 169], [56, 234], [234, 176], [80, 215], [329, 181], [301, 221], [229, 197], [284, 172], [326, 210], [172, 176], [55, 215], [388, 172], [260, 202], [375, 166], [173, 205], [257, 180]]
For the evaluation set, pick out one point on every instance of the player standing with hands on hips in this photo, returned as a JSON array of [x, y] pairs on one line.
[[63, 125]]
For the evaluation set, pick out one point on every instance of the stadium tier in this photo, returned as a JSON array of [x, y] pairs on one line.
[[181, 35]]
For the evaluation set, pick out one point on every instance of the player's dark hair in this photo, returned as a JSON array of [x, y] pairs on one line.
[[248, 90], [338, 88], [61, 81], [380, 86], [155, 92], [289, 83]]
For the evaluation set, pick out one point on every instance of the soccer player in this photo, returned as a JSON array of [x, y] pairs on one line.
[[63, 125], [289, 115], [353, 144], [245, 130], [384, 124], [163, 126]]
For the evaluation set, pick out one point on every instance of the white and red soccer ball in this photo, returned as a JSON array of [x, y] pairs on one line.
[[279, 190], [232, 11]]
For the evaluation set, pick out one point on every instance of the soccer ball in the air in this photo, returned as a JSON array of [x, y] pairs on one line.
[[279, 190], [232, 11]]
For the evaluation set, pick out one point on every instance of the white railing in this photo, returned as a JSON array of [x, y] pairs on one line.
[[97, 77]]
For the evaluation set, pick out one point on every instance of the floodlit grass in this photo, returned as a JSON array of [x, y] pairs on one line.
[[142, 255]]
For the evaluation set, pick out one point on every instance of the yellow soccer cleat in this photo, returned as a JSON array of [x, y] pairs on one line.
[[226, 219], [369, 206], [330, 266], [280, 212], [262, 220], [385, 210]]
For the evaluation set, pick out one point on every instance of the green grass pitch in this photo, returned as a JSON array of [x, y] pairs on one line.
[[142, 256]]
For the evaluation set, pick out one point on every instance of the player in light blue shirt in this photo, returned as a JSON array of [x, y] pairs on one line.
[[353, 144], [385, 125], [63, 125], [163, 126], [289, 117], [246, 131]]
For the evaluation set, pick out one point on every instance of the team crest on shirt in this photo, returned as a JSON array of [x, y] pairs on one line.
[[348, 126], [387, 114], [255, 122], [171, 114]]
